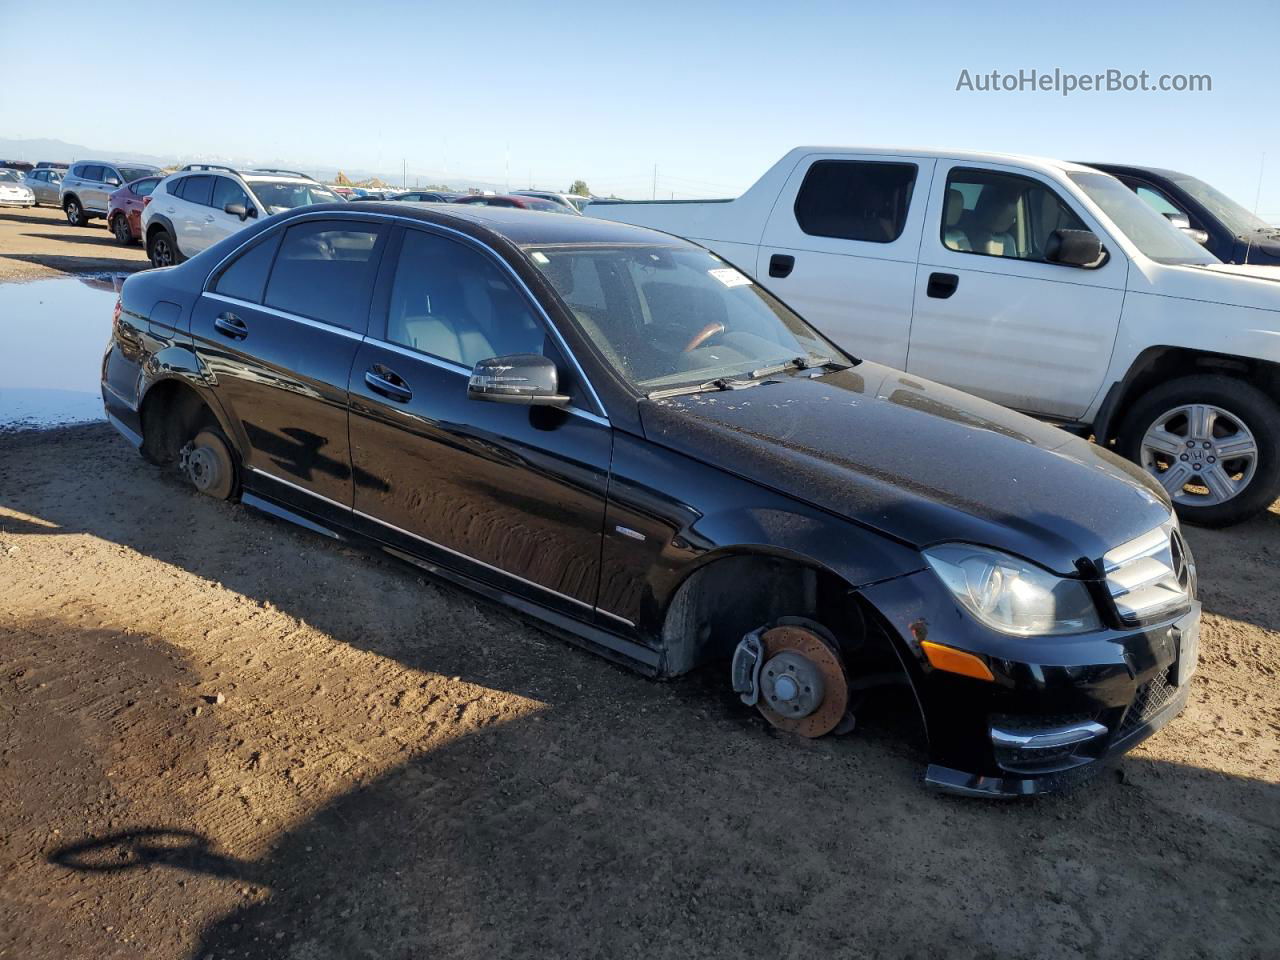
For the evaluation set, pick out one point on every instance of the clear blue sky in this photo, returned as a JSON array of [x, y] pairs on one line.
[[710, 92]]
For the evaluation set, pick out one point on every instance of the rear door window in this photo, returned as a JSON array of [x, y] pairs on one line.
[[92, 172], [198, 189], [175, 187], [856, 200], [324, 271]]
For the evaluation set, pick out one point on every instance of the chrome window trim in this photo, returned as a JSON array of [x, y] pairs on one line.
[[465, 371], [429, 227], [285, 315]]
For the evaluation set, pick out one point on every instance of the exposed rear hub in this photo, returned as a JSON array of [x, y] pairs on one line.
[[208, 465], [794, 677]]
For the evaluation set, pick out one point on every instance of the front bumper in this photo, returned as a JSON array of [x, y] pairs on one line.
[[1058, 708], [17, 201]]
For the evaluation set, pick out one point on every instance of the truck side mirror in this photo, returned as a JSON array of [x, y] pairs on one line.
[[1075, 248]]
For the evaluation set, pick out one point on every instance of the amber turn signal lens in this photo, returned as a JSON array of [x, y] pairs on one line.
[[956, 661]]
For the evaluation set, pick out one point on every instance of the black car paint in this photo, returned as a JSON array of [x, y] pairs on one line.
[[592, 518], [1223, 242]]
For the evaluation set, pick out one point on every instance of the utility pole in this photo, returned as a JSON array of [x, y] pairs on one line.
[[404, 174], [655, 182]]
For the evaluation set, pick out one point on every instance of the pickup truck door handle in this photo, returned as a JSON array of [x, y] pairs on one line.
[[229, 325], [387, 382], [942, 285], [781, 264]]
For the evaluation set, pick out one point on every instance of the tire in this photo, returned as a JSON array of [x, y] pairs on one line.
[[209, 465], [120, 227], [162, 249], [1218, 435], [75, 212]]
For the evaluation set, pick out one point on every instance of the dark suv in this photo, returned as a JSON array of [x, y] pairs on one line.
[[616, 432]]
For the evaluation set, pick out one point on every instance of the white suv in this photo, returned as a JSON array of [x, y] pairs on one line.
[[202, 203]]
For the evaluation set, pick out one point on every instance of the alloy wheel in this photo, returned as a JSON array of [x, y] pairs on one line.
[[1201, 454], [123, 233], [161, 252], [73, 213]]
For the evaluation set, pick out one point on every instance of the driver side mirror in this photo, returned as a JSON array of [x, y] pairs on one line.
[[1075, 248], [1182, 222], [240, 210], [112, 181], [529, 379]]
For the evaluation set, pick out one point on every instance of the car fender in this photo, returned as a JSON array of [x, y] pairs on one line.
[[179, 363]]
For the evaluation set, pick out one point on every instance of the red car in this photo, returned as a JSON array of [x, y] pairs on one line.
[[124, 209], [511, 200]]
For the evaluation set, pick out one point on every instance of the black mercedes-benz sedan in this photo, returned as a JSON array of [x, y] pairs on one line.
[[618, 433]]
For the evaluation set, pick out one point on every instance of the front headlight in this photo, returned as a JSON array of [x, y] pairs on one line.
[[1012, 595]]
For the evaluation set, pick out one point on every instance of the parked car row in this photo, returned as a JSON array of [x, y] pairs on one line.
[[1046, 286]]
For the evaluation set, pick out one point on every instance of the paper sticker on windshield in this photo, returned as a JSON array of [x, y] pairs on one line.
[[730, 277], [540, 258]]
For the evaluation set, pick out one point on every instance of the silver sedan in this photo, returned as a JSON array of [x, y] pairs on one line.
[[44, 183], [13, 192]]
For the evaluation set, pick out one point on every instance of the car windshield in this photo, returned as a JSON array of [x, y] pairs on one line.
[[668, 316], [135, 173], [1239, 221], [276, 195], [1149, 231], [9, 176]]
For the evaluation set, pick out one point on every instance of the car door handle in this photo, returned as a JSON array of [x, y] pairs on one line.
[[387, 382], [942, 285], [229, 325], [781, 265]]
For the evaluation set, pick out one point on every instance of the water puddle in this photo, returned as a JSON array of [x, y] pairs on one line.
[[52, 337]]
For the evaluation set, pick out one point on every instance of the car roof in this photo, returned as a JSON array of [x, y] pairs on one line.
[[1136, 168], [1043, 163], [519, 226]]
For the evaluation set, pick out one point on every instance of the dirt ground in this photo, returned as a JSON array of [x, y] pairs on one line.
[[38, 243], [222, 737]]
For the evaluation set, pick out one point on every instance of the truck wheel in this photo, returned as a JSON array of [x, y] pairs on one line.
[[1213, 443], [75, 213], [161, 249], [208, 464]]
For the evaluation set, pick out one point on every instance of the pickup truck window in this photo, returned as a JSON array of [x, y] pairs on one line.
[[1147, 230], [1002, 215], [855, 200], [670, 316]]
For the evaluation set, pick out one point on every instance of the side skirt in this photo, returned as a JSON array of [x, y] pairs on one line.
[[599, 641]]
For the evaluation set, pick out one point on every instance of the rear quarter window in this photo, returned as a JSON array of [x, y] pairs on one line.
[[855, 200], [246, 276]]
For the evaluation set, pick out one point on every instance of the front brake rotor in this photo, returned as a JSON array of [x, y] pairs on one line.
[[803, 687]]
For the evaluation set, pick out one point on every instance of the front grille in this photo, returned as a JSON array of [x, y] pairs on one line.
[[1153, 696], [1150, 575]]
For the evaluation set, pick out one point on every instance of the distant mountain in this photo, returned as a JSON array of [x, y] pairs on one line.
[[60, 151]]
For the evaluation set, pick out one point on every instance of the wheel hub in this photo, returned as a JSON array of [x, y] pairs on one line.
[[802, 683], [1200, 453], [201, 466]]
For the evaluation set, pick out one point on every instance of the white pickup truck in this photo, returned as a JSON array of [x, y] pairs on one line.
[[1042, 285]]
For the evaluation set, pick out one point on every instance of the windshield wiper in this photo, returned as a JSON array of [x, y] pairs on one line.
[[719, 383], [800, 363]]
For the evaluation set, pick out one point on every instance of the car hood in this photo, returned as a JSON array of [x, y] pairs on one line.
[[1233, 284], [919, 462]]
